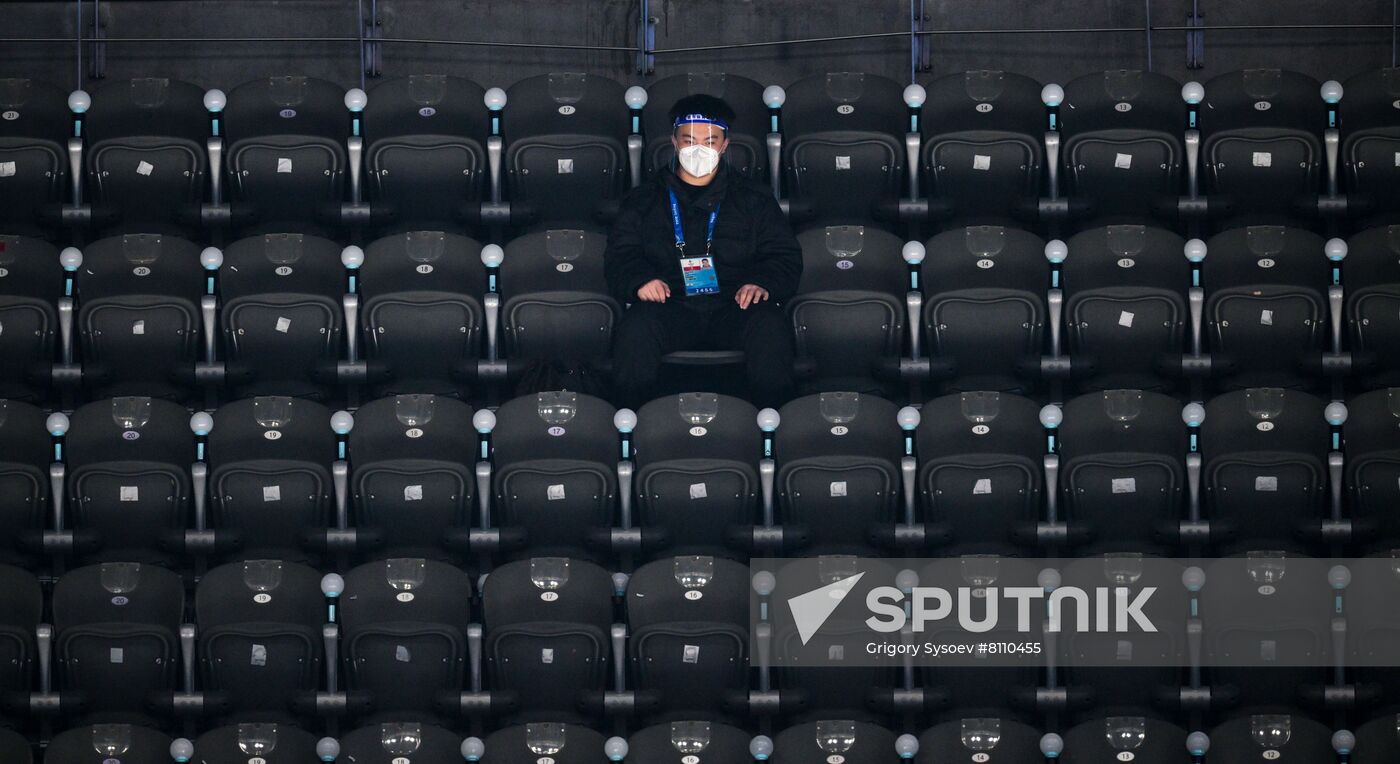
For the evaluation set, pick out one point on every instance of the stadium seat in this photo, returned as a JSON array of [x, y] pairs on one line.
[[15, 748], [565, 139], [747, 153], [841, 131], [1262, 146], [708, 741], [1372, 274], [1377, 741], [1264, 454], [555, 302], [1271, 737], [29, 290], [689, 641], [286, 153], [22, 611], [128, 485], [138, 315], [851, 741], [382, 743], [1133, 673], [260, 643], [421, 312], [547, 624], [116, 647], [1369, 144], [1123, 471], [1262, 608], [24, 482], [997, 739], [848, 313], [980, 478], [269, 465], [1148, 740], [982, 147], [425, 156], [146, 155], [824, 676], [965, 686], [411, 483], [271, 742], [838, 478], [1372, 477], [1126, 307], [1266, 311], [528, 743], [34, 176], [281, 315], [555, 471], [1123, 149], [1372, 659], [404, 623], [697, 483], [132, 744], [985, 313]]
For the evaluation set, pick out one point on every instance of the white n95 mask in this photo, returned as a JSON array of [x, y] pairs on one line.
[[699, 161]]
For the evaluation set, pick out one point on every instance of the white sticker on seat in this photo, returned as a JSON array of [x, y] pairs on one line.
[[1124, 485], [1265, 483], [546, 655], [413, 493], [283, 324], [566, 167], [284, 164], [838, 488], [138, 327], [698, 491], [130, 493], [272, 493], [1125, 319], [981, 162], [1397, 159], [7, 169], [1263, 159], [116, 655], [690, 654], [555, 492], [401, 654], [259, 657], [144, 168], [836, 652], [983, 485], [1266, 317], [843, 163], [1123, 161]]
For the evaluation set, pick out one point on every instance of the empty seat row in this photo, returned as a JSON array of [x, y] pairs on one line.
[[1257, 146], [973, 308], [139, 479]]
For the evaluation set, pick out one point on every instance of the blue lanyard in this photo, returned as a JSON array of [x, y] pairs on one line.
[[680, 234]]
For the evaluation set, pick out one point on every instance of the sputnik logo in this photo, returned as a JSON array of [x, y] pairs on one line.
[[810, 610]]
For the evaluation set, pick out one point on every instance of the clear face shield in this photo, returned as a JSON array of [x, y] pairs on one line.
[[699, 142]]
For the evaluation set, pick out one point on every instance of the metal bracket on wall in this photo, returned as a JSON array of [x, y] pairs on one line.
[[97, 54], [373, 41], [1195, 37], [923, 43], [646, 39]]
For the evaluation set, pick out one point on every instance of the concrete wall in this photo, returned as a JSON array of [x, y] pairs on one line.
[[1047, 55]]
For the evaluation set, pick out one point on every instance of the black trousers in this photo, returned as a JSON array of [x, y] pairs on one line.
[[650, 330]]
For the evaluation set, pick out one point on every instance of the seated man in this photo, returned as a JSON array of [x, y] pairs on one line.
[[704, 256]]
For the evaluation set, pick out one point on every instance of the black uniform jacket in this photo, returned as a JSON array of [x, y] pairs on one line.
[[753, 243]]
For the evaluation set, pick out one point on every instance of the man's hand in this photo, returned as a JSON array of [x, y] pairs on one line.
[[654, 291], [750, 294]]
